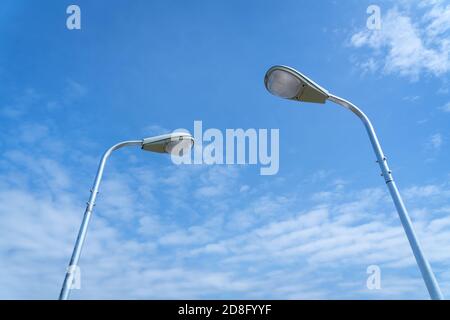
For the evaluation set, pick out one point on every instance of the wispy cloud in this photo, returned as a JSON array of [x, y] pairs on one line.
[[408, 46], [154, 130], [31, 101], [73, 91], [165, 231], [436, 140], [192, 231], [446, 107], [138, 247], [21, 104]]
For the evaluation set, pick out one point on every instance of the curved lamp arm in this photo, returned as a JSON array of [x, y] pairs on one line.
[[72, 268], [381, 159], [424, 266]]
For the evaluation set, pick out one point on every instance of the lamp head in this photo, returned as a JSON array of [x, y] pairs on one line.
[[290, 84], [177, 143]]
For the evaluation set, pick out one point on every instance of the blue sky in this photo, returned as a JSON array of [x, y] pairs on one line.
[[164, 231]]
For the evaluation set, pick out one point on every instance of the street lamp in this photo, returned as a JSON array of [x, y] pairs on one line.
[[290, 84], [174, 143]]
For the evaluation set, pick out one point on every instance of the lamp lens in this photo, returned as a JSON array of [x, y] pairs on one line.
[[283, 84], [179, 147]]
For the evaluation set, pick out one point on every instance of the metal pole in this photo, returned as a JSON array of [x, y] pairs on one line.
[[424, 266], [72, 268]]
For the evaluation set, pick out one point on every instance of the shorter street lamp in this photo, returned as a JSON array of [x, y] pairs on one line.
[[174, 143], [290, 84]]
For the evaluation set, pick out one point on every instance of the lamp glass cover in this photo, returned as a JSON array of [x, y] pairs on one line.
[[284, 84], [179, 147]]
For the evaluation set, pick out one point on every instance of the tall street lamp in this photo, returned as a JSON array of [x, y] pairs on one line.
[[176, 143], [290, 84]]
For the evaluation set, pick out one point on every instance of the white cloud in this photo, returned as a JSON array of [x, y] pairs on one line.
[[354, 230], [30, 100], [156, 234], [217, 181], [21, 104], [446, 107], [438, 17], [154, 130], [73, 91], [368, 66], [32, 132], [411, 99], [350, 233], [436, 141], [244, 188], [423, 191], [406, 46]]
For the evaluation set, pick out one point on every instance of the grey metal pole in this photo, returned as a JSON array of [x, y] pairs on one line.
[[71, 270], [424, 266]]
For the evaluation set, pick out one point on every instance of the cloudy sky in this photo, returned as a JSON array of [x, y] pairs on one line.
[[202, 231]]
